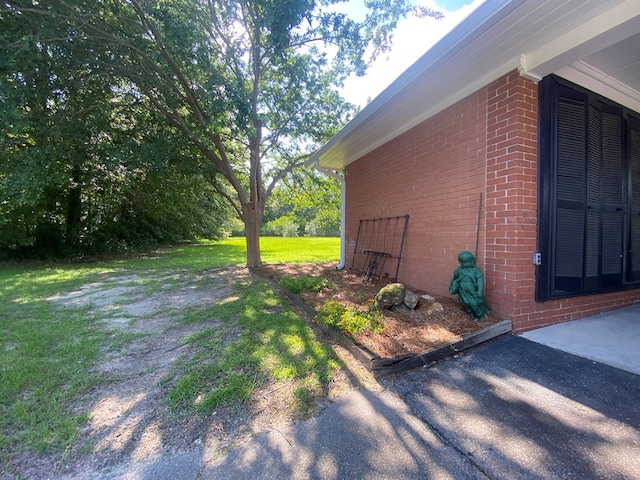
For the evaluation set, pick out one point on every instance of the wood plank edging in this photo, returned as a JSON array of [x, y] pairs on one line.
[[380, 366], [386, 366]]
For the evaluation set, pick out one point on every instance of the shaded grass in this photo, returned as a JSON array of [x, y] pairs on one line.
[[46, 355], [47, 351], [258, 339]]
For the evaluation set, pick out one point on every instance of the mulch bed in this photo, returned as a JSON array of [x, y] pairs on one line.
[[413, 332]]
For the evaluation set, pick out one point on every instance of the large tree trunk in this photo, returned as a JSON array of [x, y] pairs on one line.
[[252, 221]]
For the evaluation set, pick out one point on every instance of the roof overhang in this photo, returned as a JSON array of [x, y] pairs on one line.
[[594, 43]]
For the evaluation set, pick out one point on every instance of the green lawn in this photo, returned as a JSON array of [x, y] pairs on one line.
[[47, 352], [205, 255]]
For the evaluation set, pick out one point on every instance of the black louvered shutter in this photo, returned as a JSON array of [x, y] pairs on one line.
[[590, 197], [592, 257], [570, 195], [612, 199], [589, 210], [633, 160]]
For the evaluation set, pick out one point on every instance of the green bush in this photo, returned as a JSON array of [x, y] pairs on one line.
[[325, 224], [281, 227], [304, 282], [351, 319]]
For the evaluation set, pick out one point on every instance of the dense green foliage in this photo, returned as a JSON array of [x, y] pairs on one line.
[[351, 319], [305, 203], [246, 90], [86, 165]]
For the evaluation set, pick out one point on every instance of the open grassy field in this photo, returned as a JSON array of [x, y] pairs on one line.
[[48, 353]]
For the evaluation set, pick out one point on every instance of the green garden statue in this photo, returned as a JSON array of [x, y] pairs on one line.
[[468, 283]]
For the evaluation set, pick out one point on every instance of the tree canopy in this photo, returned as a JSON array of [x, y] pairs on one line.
[[306, 202], [248, 88]]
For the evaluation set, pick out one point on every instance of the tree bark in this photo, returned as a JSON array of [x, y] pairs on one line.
[[252, 222]]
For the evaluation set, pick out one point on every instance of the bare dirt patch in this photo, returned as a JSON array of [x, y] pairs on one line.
[[405, 332], [129, 419]]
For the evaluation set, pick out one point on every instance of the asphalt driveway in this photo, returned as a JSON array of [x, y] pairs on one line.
[[508, 409], [521, 410]]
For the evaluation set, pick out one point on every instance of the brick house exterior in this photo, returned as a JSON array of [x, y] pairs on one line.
[[420, 173], [474, 162]]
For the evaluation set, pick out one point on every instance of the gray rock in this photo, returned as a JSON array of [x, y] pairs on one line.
[[426, 298], [402, 308], [435, 308], [390, 296], [410, 300]]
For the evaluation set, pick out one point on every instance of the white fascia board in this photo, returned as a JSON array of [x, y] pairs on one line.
[[332, 155], [459, 94], [453, 96]]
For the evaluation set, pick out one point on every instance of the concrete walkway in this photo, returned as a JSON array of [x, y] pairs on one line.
[[612, 338]]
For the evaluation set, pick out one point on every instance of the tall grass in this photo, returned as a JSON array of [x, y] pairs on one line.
[[47, 352]]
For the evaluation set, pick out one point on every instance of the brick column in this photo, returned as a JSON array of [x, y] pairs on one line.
[[511, 195]]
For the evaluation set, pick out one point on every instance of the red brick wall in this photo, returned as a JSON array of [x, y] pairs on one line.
[[511, 185], [436, 172]]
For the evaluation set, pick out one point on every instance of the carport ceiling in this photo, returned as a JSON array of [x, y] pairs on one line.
[[620, 61]]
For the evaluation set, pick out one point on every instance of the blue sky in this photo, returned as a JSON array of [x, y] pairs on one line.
[[412, 38], [451, 5]]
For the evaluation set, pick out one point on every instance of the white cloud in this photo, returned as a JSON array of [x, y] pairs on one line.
[[412, 38]]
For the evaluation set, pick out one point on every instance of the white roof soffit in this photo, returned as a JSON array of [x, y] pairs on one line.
[[574, 55], [537, 37]]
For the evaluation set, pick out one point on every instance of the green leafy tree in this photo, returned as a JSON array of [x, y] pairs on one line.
[[249, 83], [308, 198], [86, 163], [52, 116]]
